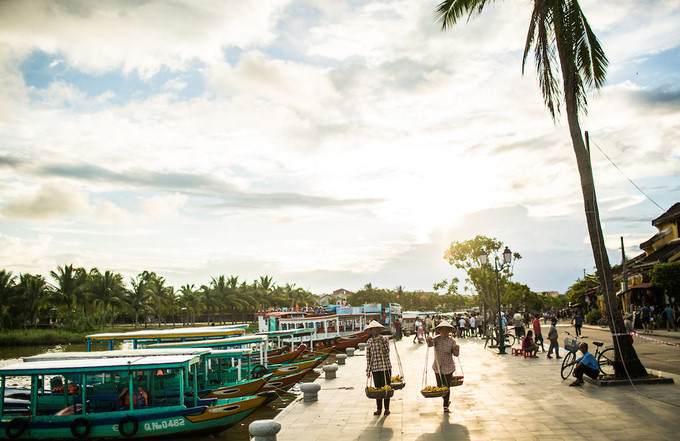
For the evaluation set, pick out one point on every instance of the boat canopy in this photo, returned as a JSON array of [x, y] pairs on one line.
[[234, 342], [98, 365], [115, 354], [160, 335]]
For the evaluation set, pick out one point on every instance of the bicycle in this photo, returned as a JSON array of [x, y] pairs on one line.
[[605, 358], [491, 337]]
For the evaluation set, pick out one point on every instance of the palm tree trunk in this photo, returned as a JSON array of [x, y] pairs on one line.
[[627, 363]]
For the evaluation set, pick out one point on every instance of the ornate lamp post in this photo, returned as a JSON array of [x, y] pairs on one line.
[[507, 258]]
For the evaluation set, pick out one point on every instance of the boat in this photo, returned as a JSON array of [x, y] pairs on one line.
[[166, 335], [105, 414], [278, 386], [221, 373]]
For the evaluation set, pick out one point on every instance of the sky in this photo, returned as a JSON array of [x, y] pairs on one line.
[[325, 143]]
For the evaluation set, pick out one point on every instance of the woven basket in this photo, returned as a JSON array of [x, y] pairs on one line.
[[456, 380], [434, 393], [397, 386], [571, 345], [379, 393]]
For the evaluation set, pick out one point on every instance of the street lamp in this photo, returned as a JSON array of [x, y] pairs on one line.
[[507, 258]]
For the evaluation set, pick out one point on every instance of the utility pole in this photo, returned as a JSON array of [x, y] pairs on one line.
[[624, 272]]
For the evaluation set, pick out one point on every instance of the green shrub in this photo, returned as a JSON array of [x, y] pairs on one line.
[[36, 337], [593, 317]]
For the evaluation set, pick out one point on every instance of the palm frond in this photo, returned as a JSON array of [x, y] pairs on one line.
[[449, 12]]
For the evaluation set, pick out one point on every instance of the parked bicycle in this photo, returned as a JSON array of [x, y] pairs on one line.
[[605, 358], [492, 337]]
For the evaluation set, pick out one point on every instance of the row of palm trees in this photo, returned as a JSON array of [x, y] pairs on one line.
[[84, 300]]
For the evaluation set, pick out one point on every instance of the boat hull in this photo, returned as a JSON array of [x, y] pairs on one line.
[[140, 423]]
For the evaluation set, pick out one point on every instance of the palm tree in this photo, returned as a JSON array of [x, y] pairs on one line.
[[7, 291], [563, 42], [191, 301], [107, 290], [138, 297], [33, 292], [69, 286]]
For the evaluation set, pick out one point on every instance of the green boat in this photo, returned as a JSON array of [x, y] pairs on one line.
[[221, 373], [108, 412]]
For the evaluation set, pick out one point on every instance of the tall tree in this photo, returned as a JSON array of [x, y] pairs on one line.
[[7, 291], [107, 290], [69, 286], [138, 298], [564, 43], [34, 292]]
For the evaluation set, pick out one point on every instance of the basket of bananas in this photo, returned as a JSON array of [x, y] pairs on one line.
[[434, 391], [397, 382], [383, 392]]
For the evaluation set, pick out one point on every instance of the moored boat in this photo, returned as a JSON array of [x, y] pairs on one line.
[[109, 411]]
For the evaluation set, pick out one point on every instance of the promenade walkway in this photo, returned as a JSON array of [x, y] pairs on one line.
[[504, 397]]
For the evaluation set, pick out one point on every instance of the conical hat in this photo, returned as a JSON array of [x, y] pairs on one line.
[[444, 324], [374, 324]]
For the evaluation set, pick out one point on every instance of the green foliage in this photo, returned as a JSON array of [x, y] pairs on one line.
[[593, 317], [39, 337], [465, 256], [667, 277]]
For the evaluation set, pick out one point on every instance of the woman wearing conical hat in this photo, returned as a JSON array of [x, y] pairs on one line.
[[378, 363], [445, 348]]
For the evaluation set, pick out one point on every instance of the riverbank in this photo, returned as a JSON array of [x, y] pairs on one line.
[[58, 336]]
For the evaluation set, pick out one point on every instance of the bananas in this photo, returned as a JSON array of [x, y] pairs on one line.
[[434, 389], [372, 389], [397, 379]]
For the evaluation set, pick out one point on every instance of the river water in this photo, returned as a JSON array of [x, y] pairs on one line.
[[239, 432]]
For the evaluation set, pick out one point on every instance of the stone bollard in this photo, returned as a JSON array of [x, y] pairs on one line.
[[264, 430], [349, 352], [362, 346], [340, 358], [310, 391], [330, 370]]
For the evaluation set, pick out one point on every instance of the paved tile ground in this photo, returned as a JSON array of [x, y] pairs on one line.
[[504, 397]]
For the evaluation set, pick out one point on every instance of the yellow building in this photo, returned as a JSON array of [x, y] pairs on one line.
[[663, 247]]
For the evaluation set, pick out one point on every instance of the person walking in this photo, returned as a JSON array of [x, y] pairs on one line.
[[669, 315], [445, 348], [473, 326], [519, 325], [577, 320], [397, 329], [417, 329], [378, 363], [428, 325], [646, 318], [538, 336], [552, 338]]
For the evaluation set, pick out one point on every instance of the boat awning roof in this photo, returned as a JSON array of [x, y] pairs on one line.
[[98, 365], [286, 333], [201, 332], [214, 343], [309, 319], [116, 354]]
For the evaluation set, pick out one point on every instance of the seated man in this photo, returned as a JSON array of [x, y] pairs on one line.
[[528, 345], [586, 364]]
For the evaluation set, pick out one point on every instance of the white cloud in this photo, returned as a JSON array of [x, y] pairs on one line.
[[341, 101], [162, 207]]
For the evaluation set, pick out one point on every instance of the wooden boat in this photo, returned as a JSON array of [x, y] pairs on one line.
[[342, 343], [104, 416], [278, 386], [313, 354]]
